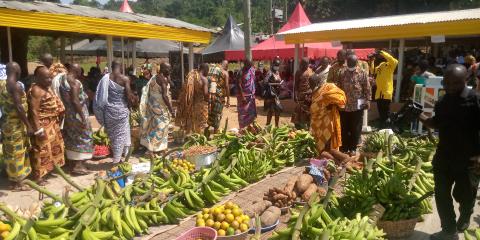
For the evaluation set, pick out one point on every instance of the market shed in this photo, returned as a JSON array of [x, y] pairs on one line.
[[433, 24], [81, 21]]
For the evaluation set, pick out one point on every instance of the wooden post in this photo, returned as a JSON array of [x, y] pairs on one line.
[[248, 28], [190, 57], [123, 55], [182, 65], [109, 52], [9, 43], [401, 49], [62, 49], [134, 56]]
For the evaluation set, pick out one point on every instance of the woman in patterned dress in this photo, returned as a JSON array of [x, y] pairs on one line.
[[247, 109], [77, 131], [156, 111], [16, 128], [45, 114]]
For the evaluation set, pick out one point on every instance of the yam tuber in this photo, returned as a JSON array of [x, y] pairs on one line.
[[326, 155], [303, 182], [290, 184], [270, 216], [310, 190], [258, 208], [339, 157]]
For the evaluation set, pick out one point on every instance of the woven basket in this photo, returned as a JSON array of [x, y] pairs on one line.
[[398, 229], [195, 233]]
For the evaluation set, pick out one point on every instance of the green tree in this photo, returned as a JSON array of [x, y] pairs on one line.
[[88, 3]]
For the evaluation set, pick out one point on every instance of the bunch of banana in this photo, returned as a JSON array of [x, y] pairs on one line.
[[470, 237], [303, 144], [252, 165], [318, 223], [100, 138], [406, 209], [195, 139], [377, 142]]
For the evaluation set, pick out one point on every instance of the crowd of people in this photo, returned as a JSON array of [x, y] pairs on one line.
[[47, 123]]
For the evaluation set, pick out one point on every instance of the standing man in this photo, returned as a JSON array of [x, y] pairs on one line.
[[271, 92], [143, 80], [335, 69], [321, 73], [354, 82], [16, 128], [457, 115], [111, 107], [77, 131], [156, 110], [219, 91], [45, 114], [303, 95], [247, 109], [384, 83], [46, 60], [193, 101], [327, 99]]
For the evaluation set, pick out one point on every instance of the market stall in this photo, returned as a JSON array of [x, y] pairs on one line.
[[231, 38], [273, 46]]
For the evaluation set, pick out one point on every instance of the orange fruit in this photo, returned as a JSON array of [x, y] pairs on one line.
[[221, 232], [229, 218], [217, 225], [220, 217], [200, 223], [209, 223], [5, 234], [225, 225], [243, 227], [235, 224]]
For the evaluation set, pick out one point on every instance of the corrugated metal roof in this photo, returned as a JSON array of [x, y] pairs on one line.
[[448, 23], [397, 20], [58, 8]]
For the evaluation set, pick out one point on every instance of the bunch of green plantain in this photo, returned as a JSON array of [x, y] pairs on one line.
[[467, 233], [303, 144], [100, 138], [377, 141], [251, 165], [317, 223]]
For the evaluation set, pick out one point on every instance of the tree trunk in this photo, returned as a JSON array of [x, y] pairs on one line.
[[19, 47]]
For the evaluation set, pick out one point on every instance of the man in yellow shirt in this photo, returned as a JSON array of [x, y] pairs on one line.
[[384, 82]]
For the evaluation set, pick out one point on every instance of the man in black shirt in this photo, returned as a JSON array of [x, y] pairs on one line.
[[457, 118]]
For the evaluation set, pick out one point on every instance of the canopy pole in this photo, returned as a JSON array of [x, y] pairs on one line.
[[247, 17], [127, 51], [109, 52], [295, 67], [62, 49], [134, 56], [401, 49], [71, 50], [190, 56], [9, 43], [182, 66], [123, 55]]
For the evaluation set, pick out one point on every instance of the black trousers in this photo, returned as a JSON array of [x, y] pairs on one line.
[[383, 106], [464, 185], [351, 123]]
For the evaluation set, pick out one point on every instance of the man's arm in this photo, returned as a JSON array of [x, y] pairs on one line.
[[128, 91], [16, 91], [74, 96], [34, 109], [206, 94], [165, 98], [390, 59]]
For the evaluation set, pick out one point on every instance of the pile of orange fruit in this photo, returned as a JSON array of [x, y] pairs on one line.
[[4, 230], [227, 219]]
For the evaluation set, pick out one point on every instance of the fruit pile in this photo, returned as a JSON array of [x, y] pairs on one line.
[[5, 229], [182, 164], [227, 219], [101, 142]]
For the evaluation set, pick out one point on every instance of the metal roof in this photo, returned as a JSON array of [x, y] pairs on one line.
[[428, 22], [82, 15]]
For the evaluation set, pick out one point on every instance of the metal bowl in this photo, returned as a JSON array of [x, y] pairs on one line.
[[202, 159]]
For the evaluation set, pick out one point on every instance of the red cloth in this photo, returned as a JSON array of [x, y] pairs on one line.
[[273, 47]]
